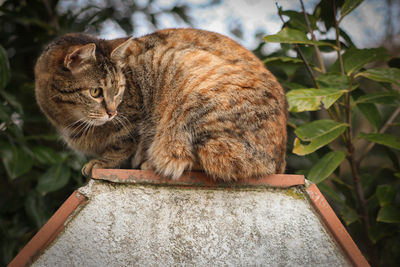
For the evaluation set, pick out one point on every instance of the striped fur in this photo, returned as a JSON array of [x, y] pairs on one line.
[[185, 99]]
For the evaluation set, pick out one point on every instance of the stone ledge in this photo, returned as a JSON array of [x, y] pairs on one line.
[[194, 179]]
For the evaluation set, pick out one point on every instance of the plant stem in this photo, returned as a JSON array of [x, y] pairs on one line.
[[339, 48], [317, 51], [296, 46], [363, 210], [337, 39], [307, 65], [52, 15]]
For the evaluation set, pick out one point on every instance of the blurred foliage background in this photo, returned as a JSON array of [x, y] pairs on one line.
[[349, 145]]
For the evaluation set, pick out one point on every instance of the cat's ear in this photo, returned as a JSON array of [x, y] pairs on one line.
[[79, 57], [121, 52]]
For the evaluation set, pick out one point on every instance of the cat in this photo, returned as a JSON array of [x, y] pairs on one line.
[[170, 101]]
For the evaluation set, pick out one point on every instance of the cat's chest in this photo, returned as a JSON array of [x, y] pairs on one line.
[[88, 144]]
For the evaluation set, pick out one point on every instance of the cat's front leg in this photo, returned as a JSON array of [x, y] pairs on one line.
[[113, 157], [93, 164]]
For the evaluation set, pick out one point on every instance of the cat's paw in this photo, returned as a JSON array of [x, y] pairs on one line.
[[170, 161], [147, 166], [88, 167], [172, 167]]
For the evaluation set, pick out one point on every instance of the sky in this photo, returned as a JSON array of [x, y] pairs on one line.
[[364, 25]]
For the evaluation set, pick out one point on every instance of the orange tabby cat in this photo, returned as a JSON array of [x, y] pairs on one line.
[[169, 101]]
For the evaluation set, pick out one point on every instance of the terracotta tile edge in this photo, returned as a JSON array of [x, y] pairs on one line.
[[42, 239], [335, 227], [194, 179]]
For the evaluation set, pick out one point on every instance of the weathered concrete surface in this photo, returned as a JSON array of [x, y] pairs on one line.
[[137, 225]]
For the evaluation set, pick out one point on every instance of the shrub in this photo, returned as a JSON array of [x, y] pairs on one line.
[[341, 124]]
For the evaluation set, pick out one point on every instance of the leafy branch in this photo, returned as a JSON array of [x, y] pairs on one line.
[[337, 91], [300, 53], [316, 49], [382, 130]]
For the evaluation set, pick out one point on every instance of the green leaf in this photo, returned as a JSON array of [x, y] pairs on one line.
[[389, 214], [16, 160], [333, 80], [311, 99], [4, 68], [75, 162], [290, 85], [380, 230], [329, 192], [298, 21], [26, 20], [371, 113], [382, 139], [346, 37], [319, 133], [298, 119], [46, 155], [12, 100], [325, 166], [288, 69], [368, 183], [283, 59], [388, 75], [349, 215], [385, 194], [354, 59], [392, 155], [5, 112], [54, 178], [43, 137], [36, 209], [390, 97], [348, 6], [315, 129], [292, 36]]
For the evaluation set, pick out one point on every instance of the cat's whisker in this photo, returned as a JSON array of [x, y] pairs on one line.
[[125, 123], [71, 126], [123, 117], [90, 127], [115, 123], [76, 131], [83, 127]]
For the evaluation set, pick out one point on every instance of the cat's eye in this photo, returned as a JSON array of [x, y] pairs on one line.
[[96, 92]]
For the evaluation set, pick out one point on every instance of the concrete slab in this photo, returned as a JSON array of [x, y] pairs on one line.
[[136, 221]]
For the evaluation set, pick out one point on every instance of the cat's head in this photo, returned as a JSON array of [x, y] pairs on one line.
[[78, 81]]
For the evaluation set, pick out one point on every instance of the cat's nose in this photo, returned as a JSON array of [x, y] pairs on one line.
[[111, 113]]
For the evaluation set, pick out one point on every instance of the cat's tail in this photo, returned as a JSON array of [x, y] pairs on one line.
[[228, 159]]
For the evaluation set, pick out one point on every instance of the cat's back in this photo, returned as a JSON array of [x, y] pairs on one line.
[[212, 43], [171, 58]]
